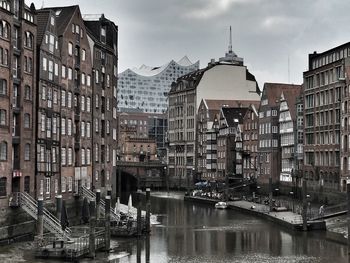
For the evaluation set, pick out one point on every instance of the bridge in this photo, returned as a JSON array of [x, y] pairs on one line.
[[139, 175]]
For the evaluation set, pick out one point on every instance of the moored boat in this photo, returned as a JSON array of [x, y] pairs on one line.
[[221, 205]]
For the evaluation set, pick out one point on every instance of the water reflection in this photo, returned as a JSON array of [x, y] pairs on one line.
[[195, 233]]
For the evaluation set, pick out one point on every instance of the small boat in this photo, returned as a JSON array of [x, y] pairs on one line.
[[221, 205]]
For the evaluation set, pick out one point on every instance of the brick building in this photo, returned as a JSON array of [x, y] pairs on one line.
[[103, 36], [17, 98], [269, 137]]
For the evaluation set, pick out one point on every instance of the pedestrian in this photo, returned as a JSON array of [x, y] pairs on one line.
[[321, 211]]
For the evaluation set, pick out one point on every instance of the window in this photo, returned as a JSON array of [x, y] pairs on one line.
[[88, 130], [56, 69], [83, 78], [63, 98], [96, 152], [88, 104], [44, 64], [96, 76], [63, 126], [83, 156], [63, 156], [47, 180], [63, 73], [96, 125], [70, 156], [28, 40], [43, 93], [88, 81], [3, 184], [107, 126], [64, 184], [69, 99], [27, 92], [69, 127], [96, 101], [70, 73], [82, 103], [4, 29], [56, 186], [4, 56], [3, 151], [70, 184], [274, 112], [82, 129], [83, 55], [70, 49], [88, 156], [3, 87], [50, 70], [26, 120], [52, 20], [3, 117], [42, 122], [27, 152]]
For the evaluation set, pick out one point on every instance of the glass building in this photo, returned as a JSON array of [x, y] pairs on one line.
[[145, 89]]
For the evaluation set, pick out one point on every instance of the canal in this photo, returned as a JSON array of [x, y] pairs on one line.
[[198, 233]]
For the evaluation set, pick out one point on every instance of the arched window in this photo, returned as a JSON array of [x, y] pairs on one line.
[[27, 93], [28, 40], [27, 152], [26, 120], [3, 151], [3, 183], [4, 29]]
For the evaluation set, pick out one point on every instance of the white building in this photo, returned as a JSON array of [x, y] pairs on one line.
[[146, 88]]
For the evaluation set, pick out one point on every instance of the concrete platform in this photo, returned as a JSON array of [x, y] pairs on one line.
[[284, 218]]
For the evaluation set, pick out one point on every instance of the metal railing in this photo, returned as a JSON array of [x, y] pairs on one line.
[[51, 223], [91, 195]]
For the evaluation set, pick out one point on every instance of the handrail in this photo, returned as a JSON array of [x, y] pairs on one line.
[[30, 205]]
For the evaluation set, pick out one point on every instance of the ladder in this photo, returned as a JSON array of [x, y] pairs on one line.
[[92, 196], [51, 223]]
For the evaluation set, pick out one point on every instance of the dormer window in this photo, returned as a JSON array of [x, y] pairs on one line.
[[52, 21]]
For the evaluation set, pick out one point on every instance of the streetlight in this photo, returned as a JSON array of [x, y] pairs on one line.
[[257, 192]]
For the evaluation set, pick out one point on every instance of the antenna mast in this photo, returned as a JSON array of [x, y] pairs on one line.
[[230, 42]]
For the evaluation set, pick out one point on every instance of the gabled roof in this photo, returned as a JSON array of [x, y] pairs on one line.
[[63, 16], [42, 20], [291, 95], [233, 116], [214, 106], [272, 92]]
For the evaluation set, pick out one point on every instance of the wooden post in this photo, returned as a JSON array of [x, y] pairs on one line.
[[98, 199], [148, 210], [119, 182], [139, 226], [92, 236], [148, 248], [40, 223], [138, 250], [270, 193], [348, 214], [304, 206], [58, 207], [108, 222]]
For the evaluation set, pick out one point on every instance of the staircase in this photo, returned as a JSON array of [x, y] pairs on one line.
[[30, 205], [91, 196]]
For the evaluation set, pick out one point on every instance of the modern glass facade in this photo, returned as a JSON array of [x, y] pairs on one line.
[[146, 89]]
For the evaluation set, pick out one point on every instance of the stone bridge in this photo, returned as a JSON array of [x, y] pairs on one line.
[[139, 175]]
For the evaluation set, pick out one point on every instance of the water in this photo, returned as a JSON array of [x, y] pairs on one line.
[[197, 233]]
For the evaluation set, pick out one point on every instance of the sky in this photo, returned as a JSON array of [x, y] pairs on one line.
[[273, 36]]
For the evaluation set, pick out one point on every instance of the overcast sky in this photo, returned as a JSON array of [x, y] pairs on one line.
[[265, 32]]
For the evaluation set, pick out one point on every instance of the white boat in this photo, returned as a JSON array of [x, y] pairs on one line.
[[221, 205]]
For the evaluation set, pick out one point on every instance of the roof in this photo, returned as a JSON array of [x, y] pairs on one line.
[[234, 116], [291, 95], [148, 71], [214, 106], [63, 16], [42, 19], [272, 92]]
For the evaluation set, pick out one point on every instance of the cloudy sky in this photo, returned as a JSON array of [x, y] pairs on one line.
[[265, 32]]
